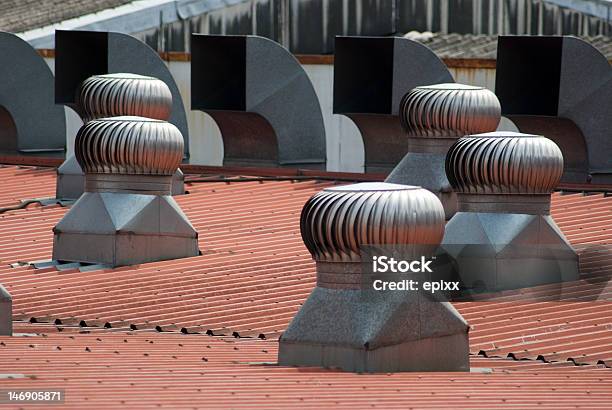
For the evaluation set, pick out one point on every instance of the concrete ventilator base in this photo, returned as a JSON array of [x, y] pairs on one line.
[[124, 229], [493, 252], [427, 171], [70, 183], [6, 313], [376, 331]]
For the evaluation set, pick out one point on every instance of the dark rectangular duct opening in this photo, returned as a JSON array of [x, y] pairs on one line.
[[528, 74], [220, 63], [363, 75], [78, 55]]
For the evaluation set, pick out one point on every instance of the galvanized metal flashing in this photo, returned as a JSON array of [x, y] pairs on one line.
[[262, 100], [371, 75], [560, 86], [30, 122]]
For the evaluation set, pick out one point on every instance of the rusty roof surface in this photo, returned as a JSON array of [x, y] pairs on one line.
[[117, 369], [528, 348]]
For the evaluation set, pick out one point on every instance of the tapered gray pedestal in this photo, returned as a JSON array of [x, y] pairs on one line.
[[70, 182], [124, 229], [6, 313], [363, 330], [500, 251], [423, 166]]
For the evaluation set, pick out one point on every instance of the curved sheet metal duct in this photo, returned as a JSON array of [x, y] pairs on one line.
[[30, 122], [262, 100], [82, 54], [371, 75], [560, 87]]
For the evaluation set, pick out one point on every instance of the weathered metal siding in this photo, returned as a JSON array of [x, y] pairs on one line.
[[309, 26], [496, 17], [484, 77]]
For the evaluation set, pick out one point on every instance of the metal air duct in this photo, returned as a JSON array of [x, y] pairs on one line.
[[560, 86], [30, 122], [344, 322], [262, 100], [434, 117], [502, 236], [371, 75], [109, 95], [126, 215], [82, 54]]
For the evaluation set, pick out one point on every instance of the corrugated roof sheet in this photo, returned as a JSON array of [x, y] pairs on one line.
[[255, 273], [481, 46], [21, 15], [144, 369], [25, 182]]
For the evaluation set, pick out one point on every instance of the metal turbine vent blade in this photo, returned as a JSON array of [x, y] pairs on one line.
[[130, 94], [108, 53], [504, 163], [133, 86], [116, 146], [449, 110], [369, 214]]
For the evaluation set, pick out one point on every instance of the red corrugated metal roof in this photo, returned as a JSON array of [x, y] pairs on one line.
[[19, 183], [251, 279], [255, 273], [147, 369]]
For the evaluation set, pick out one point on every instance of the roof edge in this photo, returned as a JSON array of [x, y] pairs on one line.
[[134, 17]]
